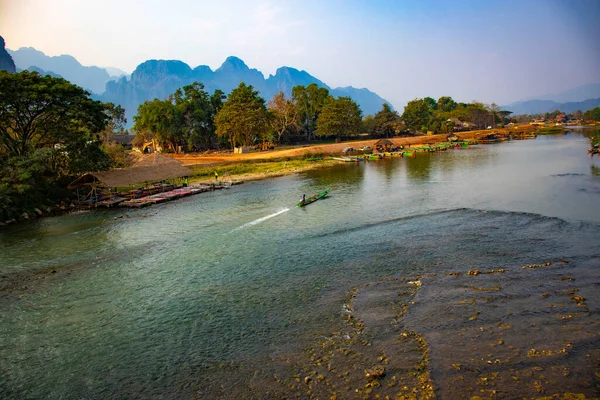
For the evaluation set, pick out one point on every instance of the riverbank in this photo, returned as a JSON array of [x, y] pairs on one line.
[[269, 164]]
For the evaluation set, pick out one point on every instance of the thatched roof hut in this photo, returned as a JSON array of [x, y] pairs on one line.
[[384, 143], [152, 168]]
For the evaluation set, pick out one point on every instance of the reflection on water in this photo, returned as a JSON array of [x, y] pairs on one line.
[[177, 300]]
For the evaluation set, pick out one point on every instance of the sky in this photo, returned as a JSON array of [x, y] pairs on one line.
[[487, 50]]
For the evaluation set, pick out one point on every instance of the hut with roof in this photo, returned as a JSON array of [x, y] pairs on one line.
[[384, 145], [148, 170]]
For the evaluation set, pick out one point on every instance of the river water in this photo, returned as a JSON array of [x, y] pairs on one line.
[[228, 294]]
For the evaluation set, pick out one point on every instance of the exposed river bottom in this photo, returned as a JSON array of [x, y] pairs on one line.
[[451, 335]]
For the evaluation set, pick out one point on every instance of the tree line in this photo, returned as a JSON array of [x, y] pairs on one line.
[[193, 120]]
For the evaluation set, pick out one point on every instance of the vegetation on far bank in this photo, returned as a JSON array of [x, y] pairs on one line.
[[258, 168], [550, 130]]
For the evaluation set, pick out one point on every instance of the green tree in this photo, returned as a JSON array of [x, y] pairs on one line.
[[243, 119], [185, 118], [195, 111], [431, 104], [341, 116], [446, 104], [310, 100], [155, 119], [48, 134], [285, 115], [368, 124], [592, 115], [387, 121], [417, 114], [42, 111]]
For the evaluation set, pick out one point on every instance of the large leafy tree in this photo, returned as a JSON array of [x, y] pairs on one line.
[[310, 100], [49, 131], [155, 119], [243, 119], [186, 118], [196, 111], [417, 114], [446, 104], [369, 125], [592, 115], [387, 121], [43, 111], [339, 117], [285, 115]]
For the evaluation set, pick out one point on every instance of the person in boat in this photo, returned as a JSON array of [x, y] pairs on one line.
[[303, 199]]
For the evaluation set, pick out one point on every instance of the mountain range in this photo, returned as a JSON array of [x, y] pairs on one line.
[[546, 106], [581, 98], [90, 78], [160, 78]]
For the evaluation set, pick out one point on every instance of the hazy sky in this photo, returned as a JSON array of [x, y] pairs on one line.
[[491, 51]]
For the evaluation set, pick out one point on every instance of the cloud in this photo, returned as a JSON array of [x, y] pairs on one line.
[[267, 25]]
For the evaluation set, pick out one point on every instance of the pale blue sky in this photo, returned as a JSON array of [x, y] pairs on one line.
[[491, 51]]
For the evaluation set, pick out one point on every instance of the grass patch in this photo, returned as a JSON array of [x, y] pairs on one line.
[[259, 168], [550, 130]]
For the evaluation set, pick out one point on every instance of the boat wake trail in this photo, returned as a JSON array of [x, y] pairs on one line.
[[262, 219]]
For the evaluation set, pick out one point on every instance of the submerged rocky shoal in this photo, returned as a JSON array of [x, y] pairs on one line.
[[529, 331]]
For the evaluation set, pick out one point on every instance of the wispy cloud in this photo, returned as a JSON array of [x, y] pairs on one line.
[[267, 25]]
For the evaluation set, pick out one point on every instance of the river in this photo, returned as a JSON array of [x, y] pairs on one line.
[[240, 294]]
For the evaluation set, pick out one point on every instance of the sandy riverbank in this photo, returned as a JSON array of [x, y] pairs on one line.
[[335, 148], [272, 166]]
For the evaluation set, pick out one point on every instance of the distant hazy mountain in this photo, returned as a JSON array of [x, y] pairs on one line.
[[6, 61], [589, 91], [40, 71], [115, 72], [544, 106], [159, 78], [91, 78]]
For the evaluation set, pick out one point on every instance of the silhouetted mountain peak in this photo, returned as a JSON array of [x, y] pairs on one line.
[[202, 69], [162, 68], [293, 74], [6, 61], [231, 64]]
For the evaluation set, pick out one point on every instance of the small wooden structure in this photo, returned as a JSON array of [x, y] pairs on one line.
[[149, 169], [384, 145]]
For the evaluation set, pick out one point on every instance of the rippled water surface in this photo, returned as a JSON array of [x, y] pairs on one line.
[[210, 296]]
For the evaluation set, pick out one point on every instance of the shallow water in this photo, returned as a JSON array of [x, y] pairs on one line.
[[214, 294]]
